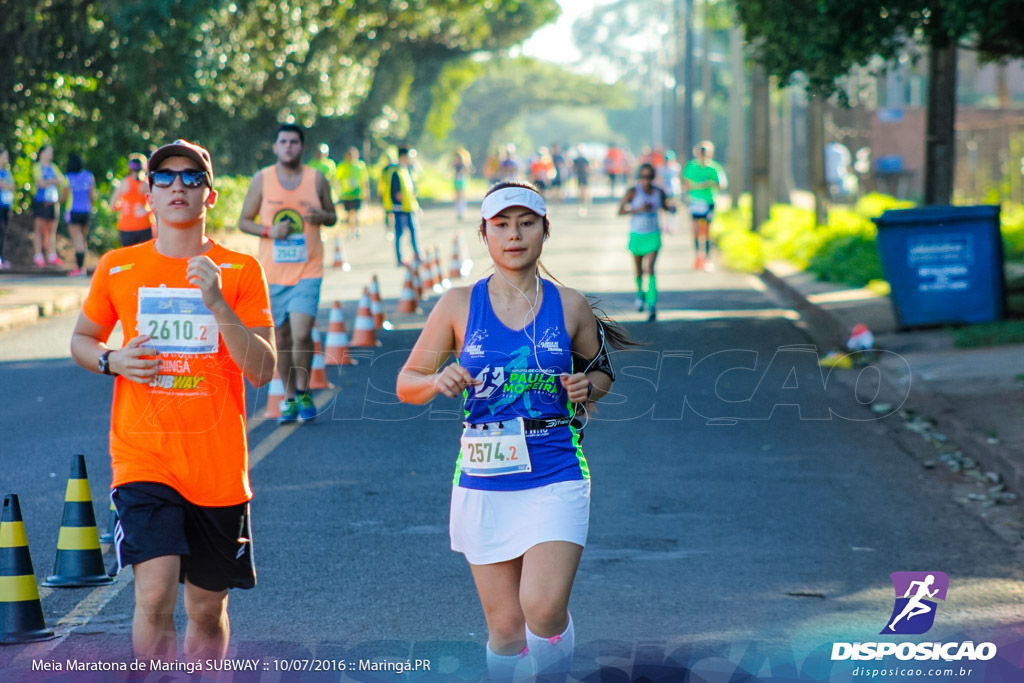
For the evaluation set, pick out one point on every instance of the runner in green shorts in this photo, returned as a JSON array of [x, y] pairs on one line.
[[643, 204]]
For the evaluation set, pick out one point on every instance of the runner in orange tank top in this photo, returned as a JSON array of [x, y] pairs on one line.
[[286, 205], [135, 218]]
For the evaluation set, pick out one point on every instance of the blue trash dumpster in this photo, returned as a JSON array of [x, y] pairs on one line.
[[944, 264]]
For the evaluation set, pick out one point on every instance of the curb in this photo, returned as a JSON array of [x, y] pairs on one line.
[[829, 332], [23, 314], [18, 316]]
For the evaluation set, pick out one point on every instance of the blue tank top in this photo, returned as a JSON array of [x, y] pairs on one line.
[[521, 379], [81, 191], [50, 194]]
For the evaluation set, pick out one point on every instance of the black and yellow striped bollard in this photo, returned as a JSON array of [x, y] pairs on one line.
[[79, 557], [21, 613]]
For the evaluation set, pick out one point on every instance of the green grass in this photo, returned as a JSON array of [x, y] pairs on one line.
[[1000, 333]]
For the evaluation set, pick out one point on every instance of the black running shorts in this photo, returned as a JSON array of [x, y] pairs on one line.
[[215, 543]]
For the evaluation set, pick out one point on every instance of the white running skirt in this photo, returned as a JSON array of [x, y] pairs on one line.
[[497, 526]]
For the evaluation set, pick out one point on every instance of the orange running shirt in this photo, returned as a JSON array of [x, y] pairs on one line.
[[301, 256], [135, 213], [185, 429]]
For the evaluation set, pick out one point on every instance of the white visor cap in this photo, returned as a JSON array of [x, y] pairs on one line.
[[498, 201]]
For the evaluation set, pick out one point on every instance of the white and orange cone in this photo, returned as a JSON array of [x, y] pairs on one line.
[[417, 283], [336, 350], [318, 371], [465, 263], [408, 301], [441, 283], [275, 394], [380, 318], [339, 255], [426, 278], [455, 264], [364, 333]]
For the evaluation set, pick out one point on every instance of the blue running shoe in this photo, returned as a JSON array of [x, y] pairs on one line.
[[289, 411], [307, 409]]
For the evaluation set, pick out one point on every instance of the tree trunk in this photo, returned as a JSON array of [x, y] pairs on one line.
[[737, 115], [679, 74], [816, 148], [706, 81], [760, 146], [428, 62], [1003, 84], [940, 133], [782, 153], [389, 76], [689, 85]]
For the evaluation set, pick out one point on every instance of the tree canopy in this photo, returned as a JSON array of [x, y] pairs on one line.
[[825, 39], [111, 76]]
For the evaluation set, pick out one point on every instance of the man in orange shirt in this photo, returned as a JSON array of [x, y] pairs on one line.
[[197, 317], [286, 205]]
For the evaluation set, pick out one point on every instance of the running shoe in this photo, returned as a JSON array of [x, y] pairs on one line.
[[709, 266], [699, 263], [54, 260], [639, 302], [77, 272], [39, 261], [652, 316], [289, 411], [307, 409]]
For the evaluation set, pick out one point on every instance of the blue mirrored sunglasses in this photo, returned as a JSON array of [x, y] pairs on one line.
[[190, 178]]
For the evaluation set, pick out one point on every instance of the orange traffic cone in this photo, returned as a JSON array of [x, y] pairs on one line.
[[364, 333], [426, 277], [108, 535], [79, 558], [21, 612], [336, 349], [408, 301], [441, 283], [318, 372], [275, 394], [339, 255], [380, 318]]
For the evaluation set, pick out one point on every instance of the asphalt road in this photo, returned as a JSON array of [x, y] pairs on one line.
[[747, 509]]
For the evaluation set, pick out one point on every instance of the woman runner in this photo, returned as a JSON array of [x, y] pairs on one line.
[[530, 355], [82, 185], [643, 205]]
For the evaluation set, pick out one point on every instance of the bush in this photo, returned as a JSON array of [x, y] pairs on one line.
[[230, 196], [1012, 218], [843, 250]]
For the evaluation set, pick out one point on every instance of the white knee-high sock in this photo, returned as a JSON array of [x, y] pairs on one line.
[[552, 656], [502, 668]]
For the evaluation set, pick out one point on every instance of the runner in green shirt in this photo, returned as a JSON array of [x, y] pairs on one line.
[[322, 162], [702, 177], [354, 182]]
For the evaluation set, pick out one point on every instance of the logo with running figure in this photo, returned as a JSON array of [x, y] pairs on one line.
[[294, 219], [916, 593]]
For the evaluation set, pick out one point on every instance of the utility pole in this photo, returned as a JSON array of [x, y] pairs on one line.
[[760, 145], [688, 83], [737, 146], [706, 82]]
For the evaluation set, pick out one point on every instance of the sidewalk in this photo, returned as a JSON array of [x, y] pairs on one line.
[[971, 398]]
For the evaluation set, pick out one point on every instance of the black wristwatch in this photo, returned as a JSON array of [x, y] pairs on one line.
[[105, 362]]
